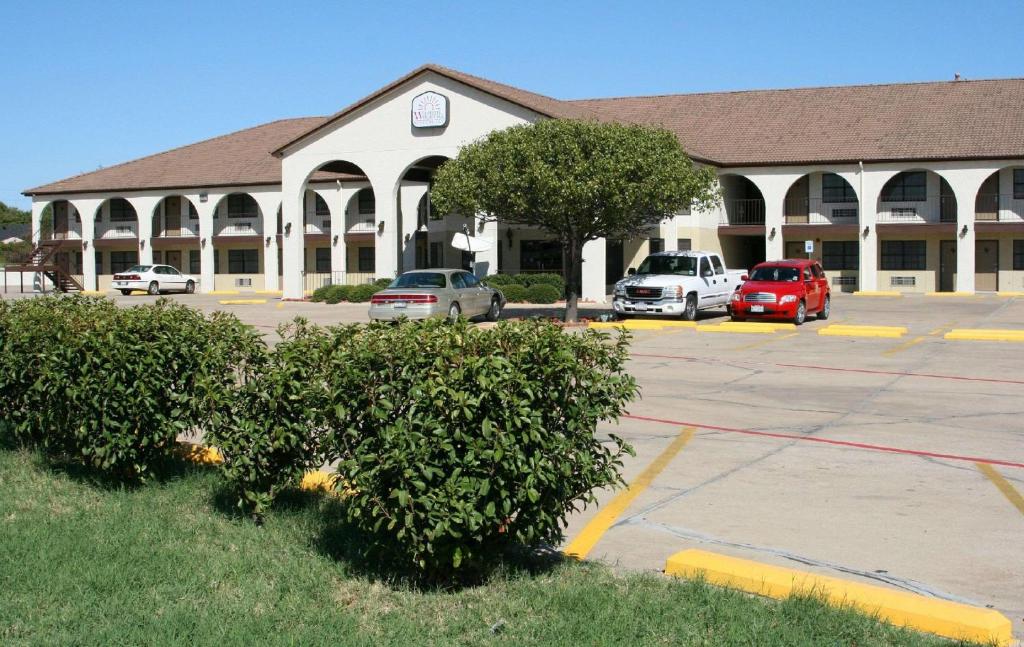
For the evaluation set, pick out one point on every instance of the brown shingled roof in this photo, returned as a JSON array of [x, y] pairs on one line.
[[870, 123]]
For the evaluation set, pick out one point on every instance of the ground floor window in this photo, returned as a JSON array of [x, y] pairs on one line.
[[684, 244], [1018, 254], [904, 255], [367, 259], [243, 261], [323, 258], [193, 261], [540, 256], [158, 257], [840, 255], [121, 261], [656, 245]]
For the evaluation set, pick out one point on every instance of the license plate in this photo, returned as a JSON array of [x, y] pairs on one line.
[[399, 304], [757, 308], [120, 283], [641, 307]]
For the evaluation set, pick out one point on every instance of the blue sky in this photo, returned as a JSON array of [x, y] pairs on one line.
[[89, 84]]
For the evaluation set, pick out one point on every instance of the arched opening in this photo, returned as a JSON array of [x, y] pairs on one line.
[[116, 243], [116, 218], [330, 256], [821, 199], [60, 221], [818, 199], [426, 237], [916, 197], [741, 228], [238, 246], [176, 234], [1001, 197]]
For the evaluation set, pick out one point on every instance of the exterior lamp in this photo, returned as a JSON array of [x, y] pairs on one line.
[[772, 233], [268, 241], [963, 232], [203, 242], [408, 237], [287, 228], [380, 226], [335, 239], [142, 244], [867, 230]]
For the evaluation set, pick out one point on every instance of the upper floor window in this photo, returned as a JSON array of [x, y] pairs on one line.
[[321, 206], [1018, 184], [242, 205], [906, 187], [835, 189], [367, 201], [121, 210], [656, 245]]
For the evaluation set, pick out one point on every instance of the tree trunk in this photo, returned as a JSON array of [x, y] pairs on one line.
[[573, 271]]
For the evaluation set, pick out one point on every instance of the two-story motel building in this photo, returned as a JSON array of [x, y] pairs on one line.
[[910, 187]]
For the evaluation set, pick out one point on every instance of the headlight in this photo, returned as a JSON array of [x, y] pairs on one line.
[[789, 298], [620, 290], [735, 296], [675, 292]]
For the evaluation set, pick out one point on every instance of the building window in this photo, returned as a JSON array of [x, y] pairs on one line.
[[121, 261], [243, 261], [158, 257], [121, 210], [242, 205], [437, 255], [367, 259], [99, 263], [192, 213], [367, 202], [656, 245], [321, 206], [684, 244], [835, 189], [193, 261], [906, 187], [540, 256], [1018, 184], [1018, 254], [323, 259], [840, 255], [904, 255]]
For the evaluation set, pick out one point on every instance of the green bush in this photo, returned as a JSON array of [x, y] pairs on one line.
[[514, 293], [456, 441], [320, 294], [362, 293], [548, 279], [543, 293], [272, 432], [383, 283], [497, 280], [338, 293], [521, 279]]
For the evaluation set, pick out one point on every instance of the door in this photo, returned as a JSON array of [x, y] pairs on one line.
[[172, 219], [795, 249], [720, 282], [173, 258], [986, 265], [947, 265], [812, 289], [60, 220], [614, 260], [477, 296]]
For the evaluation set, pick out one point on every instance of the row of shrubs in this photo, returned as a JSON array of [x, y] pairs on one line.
[[517, 288], [352, 293], [451, 441]]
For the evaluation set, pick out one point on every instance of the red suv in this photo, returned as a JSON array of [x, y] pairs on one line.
[[790, 289]]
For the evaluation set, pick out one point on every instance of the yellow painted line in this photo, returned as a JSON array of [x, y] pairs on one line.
[[584, 542], [1010, 294], [758, 324], [628, 325], [862, 331], [904, 346], [869, 293], [941, 617], [268, 292], [762, 342], [223, 292], [241, 302], [280, 305], [981, 334], [1011, 494], [752, 330], [94, 293], [951, 294]]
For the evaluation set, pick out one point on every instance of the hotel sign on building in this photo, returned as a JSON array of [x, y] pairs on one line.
[[429, 110]]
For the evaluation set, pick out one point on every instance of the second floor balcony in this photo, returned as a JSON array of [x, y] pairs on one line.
[[117, 229], [319, 225], [993, 207], [935, 210], [238, 227], [743, 212], [815, 211]]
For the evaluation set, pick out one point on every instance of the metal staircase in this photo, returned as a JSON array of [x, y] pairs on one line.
[[41, 261]]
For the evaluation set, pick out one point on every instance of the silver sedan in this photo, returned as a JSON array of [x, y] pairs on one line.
[[436, 293]]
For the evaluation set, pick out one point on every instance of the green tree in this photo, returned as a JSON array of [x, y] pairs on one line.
[[577, 180], [13, 215]]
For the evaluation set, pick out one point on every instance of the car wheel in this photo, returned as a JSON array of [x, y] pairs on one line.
[[495, 310], [154, 288], [737, 318], [622, 316], [453, 312], [826, 309], [801, 313], [190, 287], [690, 311]]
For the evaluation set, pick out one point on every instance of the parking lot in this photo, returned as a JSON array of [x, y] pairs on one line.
[[891, 460]]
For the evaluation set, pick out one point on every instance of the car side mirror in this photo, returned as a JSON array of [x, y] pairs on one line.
[[708, 274], [631, 271], [744, 278]]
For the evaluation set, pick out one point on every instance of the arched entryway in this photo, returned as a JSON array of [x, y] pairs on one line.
[[742, 226], [176, 234]]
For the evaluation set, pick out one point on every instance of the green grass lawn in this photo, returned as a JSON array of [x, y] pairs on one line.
[[82, 563]]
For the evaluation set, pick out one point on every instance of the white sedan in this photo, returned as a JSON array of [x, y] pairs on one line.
[[154, 279]]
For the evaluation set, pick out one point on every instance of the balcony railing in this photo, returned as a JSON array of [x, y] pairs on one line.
[[992, 207], [743, 212], [186, 230], [815, 211], [314, 280], [238, 227], [74, 232], [366, 224], [930, 211], [319, 226], [117, 229]]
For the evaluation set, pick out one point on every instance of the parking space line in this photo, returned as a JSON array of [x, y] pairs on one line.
[[1011, 494], [902, 347], [585, 541], [829, 441], [762, 342]]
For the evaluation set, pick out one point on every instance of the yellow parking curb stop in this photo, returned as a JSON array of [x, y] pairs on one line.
[[951, 294], [941, 617], [877, 293], [849, 330], [983, 334], [241, 302]]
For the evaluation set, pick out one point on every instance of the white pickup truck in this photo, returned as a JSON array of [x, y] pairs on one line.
[[676, 284]]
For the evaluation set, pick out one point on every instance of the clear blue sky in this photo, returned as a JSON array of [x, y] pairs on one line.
[[86, 85]]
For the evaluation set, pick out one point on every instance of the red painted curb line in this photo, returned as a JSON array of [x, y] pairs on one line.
[[827, 441]]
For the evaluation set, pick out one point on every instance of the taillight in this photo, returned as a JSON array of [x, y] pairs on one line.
[[408, 298]]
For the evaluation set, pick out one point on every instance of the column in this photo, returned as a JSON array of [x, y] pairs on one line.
[[87, 210], [410, 194], [268, 204], [386, 237], [337, 199], [207, 271], [965, 238], [487, 262], [594, 287], [669, 232], [145, 207], [37, 219], [293, 240], [773, 219]]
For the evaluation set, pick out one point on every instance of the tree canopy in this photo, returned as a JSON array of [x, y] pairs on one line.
[[13, 215], [577, 180]]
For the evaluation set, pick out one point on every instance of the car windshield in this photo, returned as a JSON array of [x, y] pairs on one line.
[[775, 273], [681, 265], [419, 280], [139, 268]]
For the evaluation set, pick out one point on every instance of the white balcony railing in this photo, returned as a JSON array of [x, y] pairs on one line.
[[932, 210], [119, 229], [186, 230], [363, 224], [74, 232], [238, 227], [319, 226], [815, 211], [990, 207]]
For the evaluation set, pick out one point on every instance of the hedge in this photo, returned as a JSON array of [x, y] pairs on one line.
[[542, 293], [362, 293], [514, 293]]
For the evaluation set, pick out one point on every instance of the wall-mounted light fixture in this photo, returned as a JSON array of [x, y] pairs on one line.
[[142, 244], [508, 237], [287, 228], [963, 232], [85, 244], [771, 234], [867, 230], [204, 197], [408, 237], [203, 242], [268, 241], [380, 227], [335, 239]]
